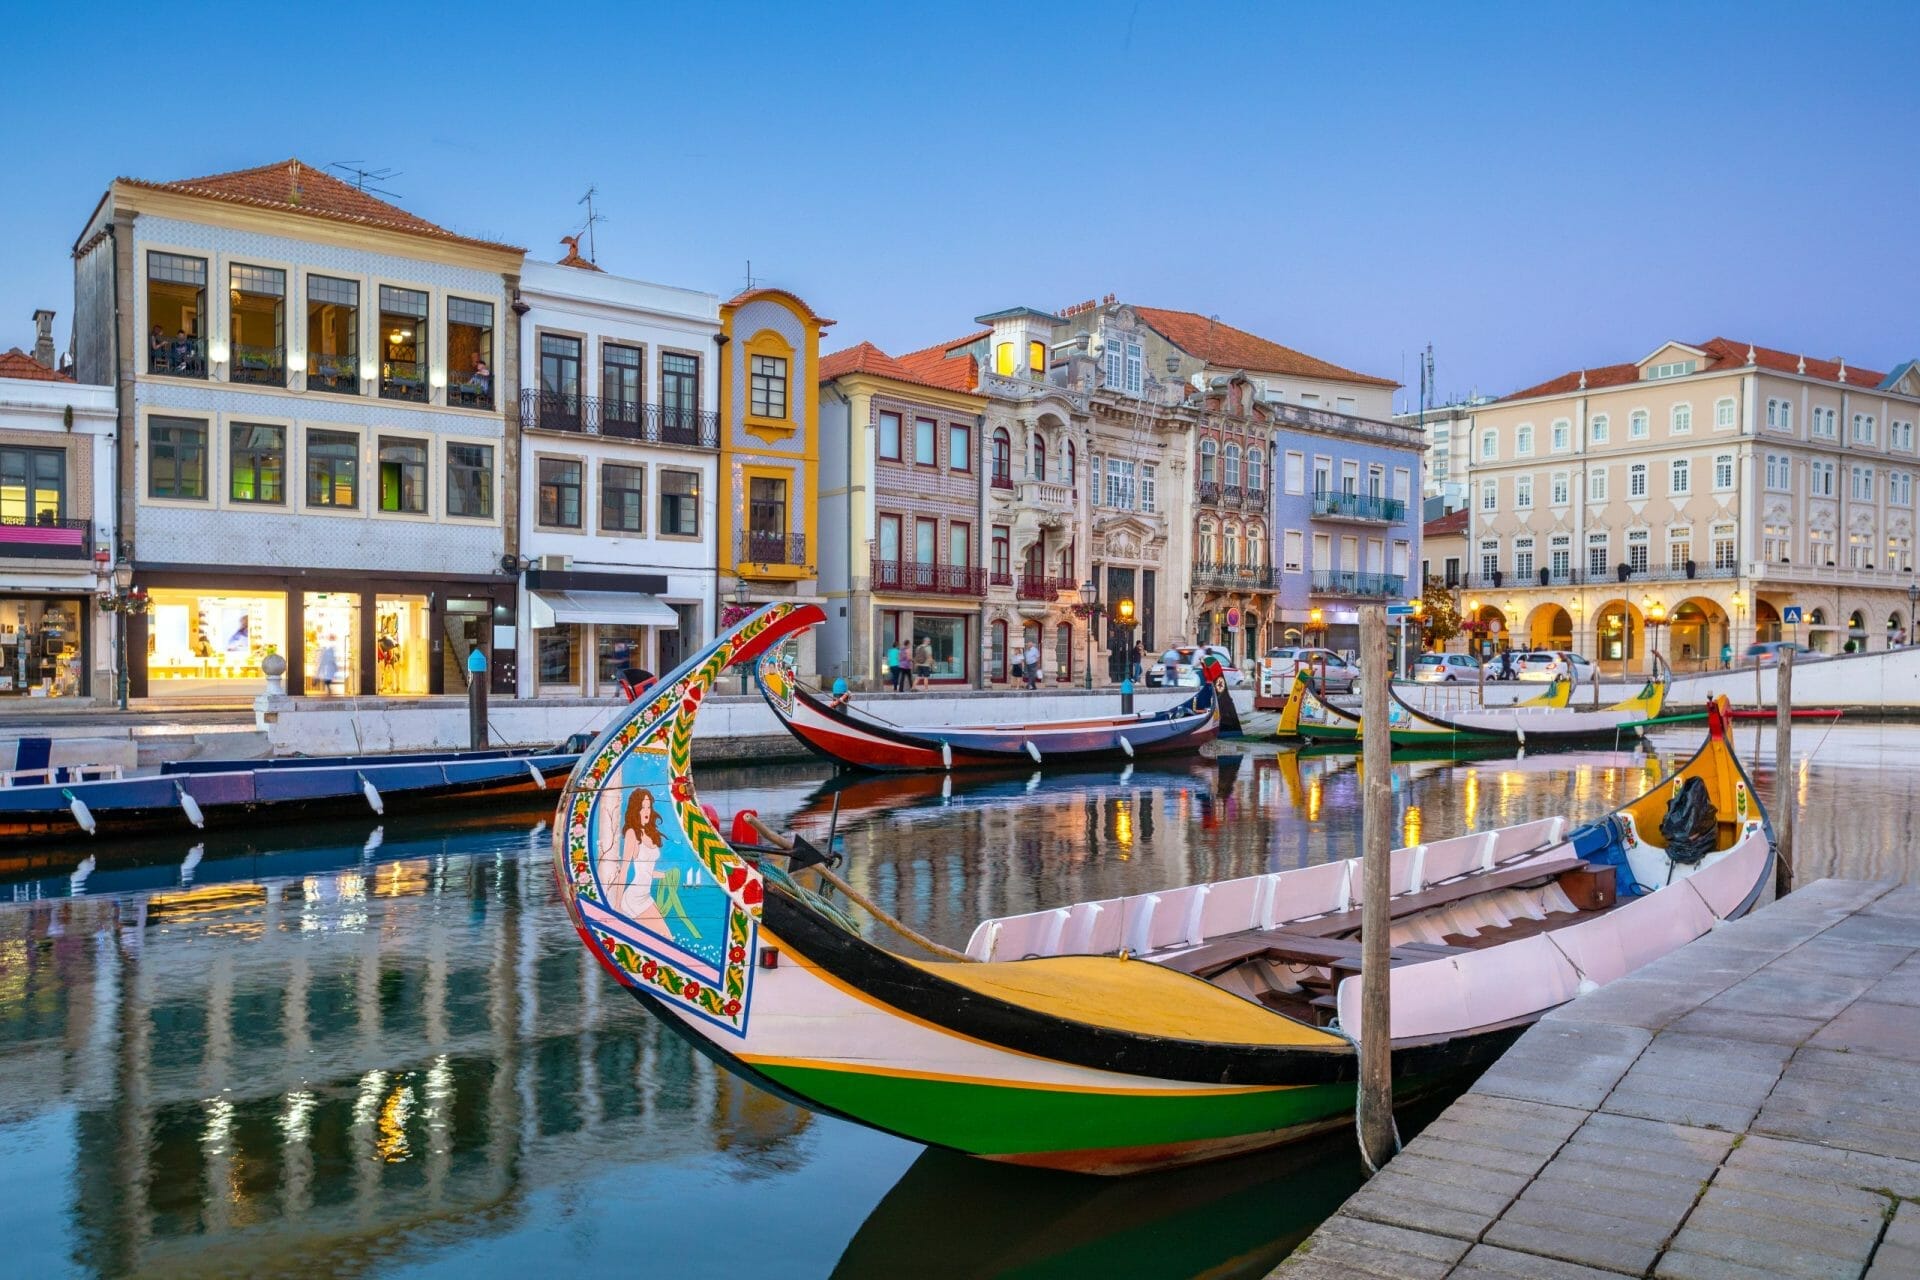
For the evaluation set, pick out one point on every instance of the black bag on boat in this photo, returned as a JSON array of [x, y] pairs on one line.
[[1691, 827]]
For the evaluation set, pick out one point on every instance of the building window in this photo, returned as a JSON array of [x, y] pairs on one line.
[[1523, 557], [1094, 481], [1638, 542], [403, 475], [1120, 484], [1724, 553], [1900, 488], [1863, 484], [560, 492], [176, 312], [1820, 476], [403, 341], [1256, 471], [1826, 423], [767, 514], [1638, 427], [1148, 489], [1779, 472], [177, 459], [1597, 428], [924, 432], [1489, 495], [257, 325], [1489, 445], [559, 408], [257, 463], [1523, 440], [1900, 436], [623, 388], [1597, 485], [1863, 431], [1820, 544], [1069, 463], [1561, 489], [769, 387], [1002, 458], [1680, 476], [1776, 542], [1230, 466], [1296, 472], [960, 447], [960, 544], [333, 469], [1671, 369], [1562, 552], [1637, 480], [623, 498], [1002, 554], [1209, 461], [1723, 471], [1036, 358], [1124, 365], [1680, 420], [1036, 458], [1723, 415], [1780, 415], [470, 481], [1598, 554], [1003, 359], [679, 398], [1523, 493], [333, 335], [1679, 549], [680, 503], [1489, 559], [890, 436], [470, 354], [1402, 484], [1562, 436], [33, 485]]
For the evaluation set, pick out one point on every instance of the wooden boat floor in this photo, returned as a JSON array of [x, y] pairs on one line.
[[1289, 947], [1493, 936], [1439, 895]]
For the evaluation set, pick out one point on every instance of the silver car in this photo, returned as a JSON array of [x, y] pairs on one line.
[[1441, 668], [1543, 666]]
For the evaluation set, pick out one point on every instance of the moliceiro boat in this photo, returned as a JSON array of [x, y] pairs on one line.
[[1129, 1033], [845, 734], [1537, 722]]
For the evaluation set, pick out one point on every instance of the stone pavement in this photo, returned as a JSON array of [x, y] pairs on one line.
[[1747, 1106]]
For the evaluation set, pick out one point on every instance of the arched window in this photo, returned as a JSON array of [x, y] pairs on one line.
[[1037, 459], [1207, 555], [1231, 536], [1070, 467], [1231, 477], [1002, 457], [1523, 440], [1208, 450], [1256, 471], [1256, 545]]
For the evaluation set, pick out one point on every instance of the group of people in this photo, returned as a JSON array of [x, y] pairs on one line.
[[178, 356], [919, 675]]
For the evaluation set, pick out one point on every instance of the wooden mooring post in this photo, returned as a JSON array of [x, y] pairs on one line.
[[1376, 844], [1784, 799]]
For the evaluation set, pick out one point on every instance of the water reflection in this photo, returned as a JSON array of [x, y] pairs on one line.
[[381, 1048]]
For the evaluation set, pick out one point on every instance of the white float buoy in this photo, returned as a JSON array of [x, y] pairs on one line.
[[539, 778], [81, 814], [189, 806], [372, 793], [946, 754], [1126, 746], [1032, 750]]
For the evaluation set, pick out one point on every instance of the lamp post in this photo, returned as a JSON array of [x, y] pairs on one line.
[[124, 599], [1088, 608], [1739, 603], [739, 611], [1656, 618], [1913, 603], [1419, 607], [1123, 613]]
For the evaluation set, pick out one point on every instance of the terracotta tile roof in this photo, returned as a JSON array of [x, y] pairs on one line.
[[1722, 353], [931, 368], [573, 258], [1450, 523], [946, 348], [294, 187], [18, 364], [1223, 345]]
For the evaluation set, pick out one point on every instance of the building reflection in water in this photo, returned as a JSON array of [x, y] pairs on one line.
[[259, 1074]]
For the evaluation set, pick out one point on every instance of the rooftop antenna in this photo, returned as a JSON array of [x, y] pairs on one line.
[[366, 179], [750, 281], [593, 253]]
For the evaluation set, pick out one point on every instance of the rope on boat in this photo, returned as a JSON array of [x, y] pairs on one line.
[[862, 901], [1392, 1120]]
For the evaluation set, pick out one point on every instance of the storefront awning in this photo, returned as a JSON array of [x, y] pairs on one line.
[[545, 608]]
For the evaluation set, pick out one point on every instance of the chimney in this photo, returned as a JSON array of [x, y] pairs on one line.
[[43, 338]]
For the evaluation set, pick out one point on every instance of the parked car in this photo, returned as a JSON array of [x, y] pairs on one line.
[[1768, 653], [1180, 665], [1277, 670], [1543, 666], [1439, 668]]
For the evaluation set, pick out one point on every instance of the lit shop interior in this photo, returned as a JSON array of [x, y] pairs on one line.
[[42, 646]]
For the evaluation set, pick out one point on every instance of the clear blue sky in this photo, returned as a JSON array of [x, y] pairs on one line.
[[1530, 188]]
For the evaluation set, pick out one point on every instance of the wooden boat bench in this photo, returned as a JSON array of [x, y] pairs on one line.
[[1440, 895], [1292, 948]]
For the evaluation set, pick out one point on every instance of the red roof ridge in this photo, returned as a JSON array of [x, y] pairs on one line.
[[1723, 353], [1219, 343], [15, 363], [931, 368]]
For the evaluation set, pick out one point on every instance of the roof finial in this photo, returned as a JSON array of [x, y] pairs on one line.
[[1752, 358], [1583, 379], [1802, 366], [1843, 368]]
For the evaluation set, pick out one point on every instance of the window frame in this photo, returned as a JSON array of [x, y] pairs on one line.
[[579, 487], [880, 434], [233, 471], [381, 439], [205, 498], [762, 385], [932, 426], [448, 488], [604, 490], [358, 460]]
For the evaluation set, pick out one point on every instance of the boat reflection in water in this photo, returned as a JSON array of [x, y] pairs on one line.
[[250, 1077]]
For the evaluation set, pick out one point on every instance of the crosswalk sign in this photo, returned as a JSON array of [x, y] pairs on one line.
[[1791, 615]]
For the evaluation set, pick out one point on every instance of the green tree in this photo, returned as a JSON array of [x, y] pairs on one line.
[[1440, 614]]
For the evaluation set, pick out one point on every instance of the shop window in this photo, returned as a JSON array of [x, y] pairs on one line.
[[403, 340], [333, 469], [560, 492], [618, 648], [177, 459], [403, 475], [470, 481], [559, 659], [402, 636], [33, 487], [205, 644], [680, 504], [176, 310], [330, 629], [623, 498], [257, 325], [769, 387], [257, 464], [42, 646], [469, 353], [947, 637], [333, 335]]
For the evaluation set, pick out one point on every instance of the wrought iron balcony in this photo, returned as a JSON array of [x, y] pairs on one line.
[[1227, 576], [1041, 586], [1001, 578], [770, 548], [44, 538], [1254, 498], [258, 366], [1002, 480], [1362, 508], [928, 579], [619, 419], [1206, 491], [338, 374], [1341, 582], [179, 358], [403, 380]]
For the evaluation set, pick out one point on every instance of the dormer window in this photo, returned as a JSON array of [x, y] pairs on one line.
[[1671, 369], [1125, 364], [1036, 358]]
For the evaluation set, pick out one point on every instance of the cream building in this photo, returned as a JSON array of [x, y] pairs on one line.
[[1701, 490]]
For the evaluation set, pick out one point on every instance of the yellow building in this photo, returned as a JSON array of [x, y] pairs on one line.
[[769, 453]]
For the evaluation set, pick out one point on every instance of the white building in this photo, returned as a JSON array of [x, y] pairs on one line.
[[56, 528], [619, 444], [1448, 429]]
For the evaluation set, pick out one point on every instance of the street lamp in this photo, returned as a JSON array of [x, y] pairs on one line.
[[1739, 603], [1656, 618], [1088, 607], [1123, 613], [1913, 603], [124, 599], [739, 610]]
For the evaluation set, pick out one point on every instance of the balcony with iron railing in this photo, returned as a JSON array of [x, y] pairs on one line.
[[1342, 582], [1041, 586], [1003, 480], [1000, 578], [45, 538], [178, 358], [757, 548], [338, 374], [403, 380], [928, 579], [619, 419], [1358, 508], [1618, 575], [1206, 492], [1227, 576], [258, 366]]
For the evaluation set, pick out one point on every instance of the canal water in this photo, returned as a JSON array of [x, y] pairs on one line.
[[380, 1050]]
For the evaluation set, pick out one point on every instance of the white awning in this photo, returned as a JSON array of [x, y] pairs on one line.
[[545, 608]]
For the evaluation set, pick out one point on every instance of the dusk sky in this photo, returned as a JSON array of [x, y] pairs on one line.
[[1529, 188]]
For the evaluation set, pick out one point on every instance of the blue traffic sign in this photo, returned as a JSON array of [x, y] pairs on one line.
[[1791, 614], [1399, 611]]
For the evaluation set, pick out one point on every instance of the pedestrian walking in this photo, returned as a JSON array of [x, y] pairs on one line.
[[893, 667], [923, 664], [1032, 660], [1139, 661], [1726, 657]]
